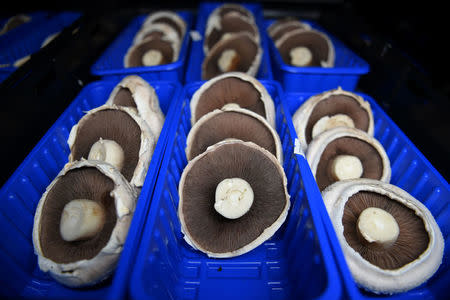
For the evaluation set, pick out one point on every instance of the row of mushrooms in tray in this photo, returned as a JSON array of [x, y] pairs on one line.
[[390, 240], [232, 193], [300, 45], [158, 41], [82, 219]]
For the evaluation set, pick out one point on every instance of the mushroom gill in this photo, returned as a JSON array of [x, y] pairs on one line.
[[151, 52]]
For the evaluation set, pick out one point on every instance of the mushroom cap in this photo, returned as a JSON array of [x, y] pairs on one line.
[[232, 8], [157, 31], [208, 231], [83, 263], [369, 275], [232, 123], [247, 47], [134, 91], [330, 103], [167, 17], [347, 141], [317, 42], [14, 22], [122, 125], [168, 49], [232, 87], [217, 27], [282, 28], [279, 22]]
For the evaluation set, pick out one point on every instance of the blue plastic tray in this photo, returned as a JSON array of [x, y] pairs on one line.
[[110, 62], [295, 263], [196, 56], [20, 276], [412, 172], [346, 72]]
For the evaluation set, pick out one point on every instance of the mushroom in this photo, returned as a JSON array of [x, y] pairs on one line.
[[158, 31], [218, 28], [232, 9], [239, 52], [133, 91], [282, 28], [232, 122], [330, 109], [302, 48], [347, 153], [116, 135], [390, 240], [151, 51], [81, 223], [233, 197], [233, 87], [14, 22], [169, 18], [277, 24]]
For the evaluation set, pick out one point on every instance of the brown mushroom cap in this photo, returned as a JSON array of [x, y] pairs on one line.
[[328, 146], [232, 123], [248, 52], [232, 87], [399, 266], [209, 231], [316, 42], [135, 54], [170, 18]]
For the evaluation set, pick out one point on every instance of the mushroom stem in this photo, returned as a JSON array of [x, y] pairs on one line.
[[301, 56], [228, 60], [152, 58], [81, 219], [346, 167], [378, 226], [234, 197], [326, 123], [108, 151]]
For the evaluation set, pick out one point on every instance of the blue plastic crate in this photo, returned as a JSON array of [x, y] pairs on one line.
[[346, 72], [412, 172], [20, 276], [111, 64], [295, 263], [196, 56]]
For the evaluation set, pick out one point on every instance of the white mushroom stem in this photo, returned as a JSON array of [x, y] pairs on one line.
[[234, 197], [152, 58], [300, 56], [378, 226], [326, 123], [108, 151], [81, 219], [346, 167], [228, 60]]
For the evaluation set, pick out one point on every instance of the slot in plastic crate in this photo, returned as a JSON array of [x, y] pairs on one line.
[[412, 172], [196, 56], [110, 63], [20, 276], [295, 263], [346, 72]]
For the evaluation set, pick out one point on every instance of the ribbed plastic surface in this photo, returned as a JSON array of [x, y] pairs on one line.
[[20, 275], [295, 263], [346, 72], [196, 56], [111, 62], [412, 172]]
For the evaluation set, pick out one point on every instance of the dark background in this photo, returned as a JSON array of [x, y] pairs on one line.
[[405, 45]]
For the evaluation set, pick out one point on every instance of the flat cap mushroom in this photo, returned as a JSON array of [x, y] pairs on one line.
[[232, 122], [278, 29], [158, 31], [81, 223], [133, 91], [239, 52], [347, 153], [151, 51], [306, 47], [116, 135], [232, 87], [14, 22], [233, 197], [169, 18], [331, 109], [390, 239], [220, 27]]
